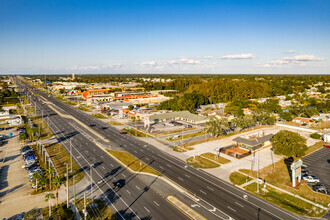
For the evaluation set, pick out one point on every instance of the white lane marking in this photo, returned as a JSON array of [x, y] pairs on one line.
[[180, 178], [128, 192], [161, 167], [111, 165], [146, 209], [135, 151], [137, 187], [123, 175], [103, 167], [168, 165], [156, 203], [231, 208], [86, 151], [239, 204], [147, 159], [210, 188], [202, 192], [101, 156], [187, 175]]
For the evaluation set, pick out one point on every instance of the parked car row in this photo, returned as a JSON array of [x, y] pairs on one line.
[[31, 162], [175, 123], [313, 179]]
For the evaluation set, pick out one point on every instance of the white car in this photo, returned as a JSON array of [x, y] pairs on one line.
[[311, 179]]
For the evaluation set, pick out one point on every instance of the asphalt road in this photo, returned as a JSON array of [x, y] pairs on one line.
[[318, 164], [133, 201], [219, 195]]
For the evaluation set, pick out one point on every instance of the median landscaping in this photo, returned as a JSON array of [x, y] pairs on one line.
[[132, 162], [134, 132], [100, 210], [99, 116], [216, 158]]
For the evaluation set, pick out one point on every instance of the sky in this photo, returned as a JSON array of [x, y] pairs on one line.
[[165, 36]]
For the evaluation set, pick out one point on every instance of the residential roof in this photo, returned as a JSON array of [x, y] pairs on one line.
[[253, 142], [180, 114]]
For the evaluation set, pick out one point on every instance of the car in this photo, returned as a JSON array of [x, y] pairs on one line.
[[1, 143], [28, 165], [119, 183], [311, 179], [320, 188], [35, 170], [3, 137], [327, 146], [304, 170], [20, 128], [29, 152], [25, 148], [20, 216], [123, 132], [103, 127], [91, 125], [30, 158]]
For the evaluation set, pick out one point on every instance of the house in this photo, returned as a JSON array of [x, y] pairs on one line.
[[301, 120], [326, 137], [181, 115]]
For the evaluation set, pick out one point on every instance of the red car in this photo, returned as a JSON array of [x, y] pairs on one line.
[[122, 132], [327, 146]]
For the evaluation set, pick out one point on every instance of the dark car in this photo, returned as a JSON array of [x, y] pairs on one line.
[[91, 125], [20, 128], [3, 137], [103, 127], [304, 170], [1, 143], [25, 148], [119, 183], [320, 188]]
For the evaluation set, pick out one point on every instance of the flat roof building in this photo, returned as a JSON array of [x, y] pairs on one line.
[[181, 115]]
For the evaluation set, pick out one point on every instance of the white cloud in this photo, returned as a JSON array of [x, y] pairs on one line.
[[149, 63], [208, 57], [304, 58], [95, 67], [300, 60], [185, 60], [238, 56], [290, 51]]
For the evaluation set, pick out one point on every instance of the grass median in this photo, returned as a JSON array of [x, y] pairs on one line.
[[286, 201], [114, 123], [200, 162], [132, 162], [100, 116], [187, 136], [135, 132]]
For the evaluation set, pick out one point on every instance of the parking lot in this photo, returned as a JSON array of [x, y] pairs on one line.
[[15, 187], [318, 164]]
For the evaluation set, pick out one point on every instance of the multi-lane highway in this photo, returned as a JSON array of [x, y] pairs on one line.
[[134, 200], [218, 195]]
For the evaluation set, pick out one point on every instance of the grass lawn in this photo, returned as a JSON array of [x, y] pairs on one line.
[[172, 132], [200, 162], [11, 100], [315, 147], [132, 132], [100, 116], [213, 157], [238, 179], [84, 108], [104, 212], [114, 123], [45, 132], [60, 158], [286, 201], [280, 177], [61, 97], [60, 212], [132, 162], [187, 136], [321, 125]]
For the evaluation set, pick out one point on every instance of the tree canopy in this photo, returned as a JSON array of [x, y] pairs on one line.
[[289, 144]]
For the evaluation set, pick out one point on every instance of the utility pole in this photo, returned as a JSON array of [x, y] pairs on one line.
[[50, 208], [91, 192], [258, 173], [135, 128], [85, 211], [182, 136], [74, 190], [71, 155], [67, 186]]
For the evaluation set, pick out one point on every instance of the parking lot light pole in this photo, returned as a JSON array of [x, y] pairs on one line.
[[67, 186]]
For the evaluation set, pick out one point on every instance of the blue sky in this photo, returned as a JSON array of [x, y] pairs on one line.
[[165, 36]]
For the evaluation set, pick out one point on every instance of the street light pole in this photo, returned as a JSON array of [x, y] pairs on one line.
[[71, 155], [67, 186]]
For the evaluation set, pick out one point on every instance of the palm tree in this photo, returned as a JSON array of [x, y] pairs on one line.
[[57, 181], [36, 178], [42, 182], [48, 198], [50, 171]]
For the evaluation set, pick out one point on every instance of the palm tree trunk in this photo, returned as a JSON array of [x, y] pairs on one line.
[[56, 196], [50, 181], [36, 185]]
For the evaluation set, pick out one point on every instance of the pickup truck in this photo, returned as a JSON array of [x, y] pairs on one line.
[[311, 179]]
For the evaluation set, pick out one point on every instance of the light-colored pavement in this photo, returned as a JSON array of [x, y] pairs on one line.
[[224, 171], [15, 189]]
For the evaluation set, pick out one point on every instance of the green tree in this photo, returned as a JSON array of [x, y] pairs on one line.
[[130, 107], [289, 144], [217, 126], [50, 171], [57, 181], [36, 178], [287, 116], [316, 136]]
